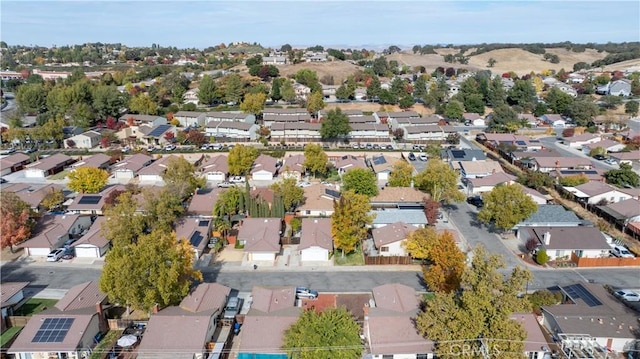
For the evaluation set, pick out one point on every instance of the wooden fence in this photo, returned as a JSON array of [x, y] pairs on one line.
[[119, 324], [380, 260], [605, 262], [289, 240], [17, 321]]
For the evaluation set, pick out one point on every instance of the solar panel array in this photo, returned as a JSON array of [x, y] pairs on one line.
[[89, 200], [521, 143], [379, 160], [196, 238], [53, 330], [158, 131], [586, 172], [457, 153], [577, 291], [332, 193]]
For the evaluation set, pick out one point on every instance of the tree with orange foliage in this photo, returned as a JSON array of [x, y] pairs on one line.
[[445, 262], [16, 223]]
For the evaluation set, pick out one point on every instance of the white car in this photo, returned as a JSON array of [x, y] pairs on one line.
[[55, 255], [237, 179], [621, 252], [302, 292], [423, 157], [627, 295], [169, 147], [304, 184]]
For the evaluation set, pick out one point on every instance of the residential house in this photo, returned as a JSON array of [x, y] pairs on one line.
[[388, 239], [318, 201], [361, 119], [316, 241], [66, 330], [626, 157], [381, 117], [93, 244], [473, 119], [413, 217], [399, 198], [290, 111], [203, 202], [294, 167], [274, 60], [196, 231], [594, 174], [536, 196], [607, 123], [92, 204], [230, 116], [389, 328], [86, 140], [272, 312], [52, 231], [260, 238], [480, 185], [566, 242], [548, 164], [601, 193], [507, 142], [191, 96], [48, 166], [535, 344], [348, 162], [382, 166], [477, 169], [404, 122], [566, 88], [230, 131], [462, 155], [530, 119], [593, 319], [394, 116], [264, 168], [298, 132], [302, 91], [550, 215], [11, 296], [623, 213], [427, 133], [620, 87], [190, 118], [13, 163], [215, 168], [349, 113], [581, 140], [374, 132], [184, 331], [32, 194], [553, 120], [606, 145], [128, 168], [147, 120], [99, 160], [155, 171], [159, 135]]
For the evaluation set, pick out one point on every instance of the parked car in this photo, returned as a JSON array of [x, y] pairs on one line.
[[627, 295], [55, 255], [304, 184], [234, 304], [169, 147], [306, 293], [225, 184], [610, 161], [389, 147], [600, 157], [355, 146], [237, 179], [476, 201], [621, 252], [423, 157], [412, 156]]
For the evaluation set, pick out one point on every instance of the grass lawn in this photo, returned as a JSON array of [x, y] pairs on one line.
[[35, 306], [355, 258], [59, 176], [7, 335], [105, 344]]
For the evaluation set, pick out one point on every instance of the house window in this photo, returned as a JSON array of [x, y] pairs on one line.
[[308, 212], [384, 249]]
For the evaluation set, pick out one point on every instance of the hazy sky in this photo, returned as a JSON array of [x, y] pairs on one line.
[[309, 22]]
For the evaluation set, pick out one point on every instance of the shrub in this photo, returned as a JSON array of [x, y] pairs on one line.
[[542, 257]]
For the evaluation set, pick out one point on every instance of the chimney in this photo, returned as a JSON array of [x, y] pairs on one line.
[[102, 320], [155, 309], [547, 238]]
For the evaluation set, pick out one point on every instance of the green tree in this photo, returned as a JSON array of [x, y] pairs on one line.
[[291, 194], [542, 257], [31, 98], [480, 309], [374, 88], [335, 125], [406, 102], [276, 85], [544, 297], [631, 108], [361, 181], [230, 202], [233, 88], [474, 103], [583, 111], [504, 119], [440, 181], [157, 269], [253, 103], [180, 179], [123, 225], [496, 94], [401, 174], [575, 180], [559, 102], [522, 94], [343, 93], [207, 90], [445, 262], [287, 91], [315, 159], [308, 78], [87, 179], [161, 208], [491, 62], [506, 206], [315, 103], [349, 220], [420, 88], [143, 104], [52, 199], [611, 102], [624, 176], [454, 110], [241, 159], [535, 180], [331, 334], [107, 101]]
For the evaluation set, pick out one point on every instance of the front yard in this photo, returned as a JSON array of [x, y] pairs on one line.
[[34, 306], [355, 258]]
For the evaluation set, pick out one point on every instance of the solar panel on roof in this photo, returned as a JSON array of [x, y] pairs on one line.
[[158, 131], [196, 238], [332, 193], [90, 200], [203, 223], [577, 291], [457, 153], [379, 160], [53, 330], [521, 143]]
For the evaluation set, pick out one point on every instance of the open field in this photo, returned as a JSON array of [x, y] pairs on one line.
[[340, 70]]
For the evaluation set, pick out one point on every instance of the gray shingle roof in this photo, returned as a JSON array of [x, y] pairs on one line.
[[408, 216], [551, 213]]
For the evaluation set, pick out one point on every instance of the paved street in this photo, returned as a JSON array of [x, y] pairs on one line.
[[552, 143]]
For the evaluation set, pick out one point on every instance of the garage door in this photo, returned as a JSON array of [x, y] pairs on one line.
[[314, 254], [263, 256], [262, 176], [39, 251], [87, 252], [215, 177], [34, 173]]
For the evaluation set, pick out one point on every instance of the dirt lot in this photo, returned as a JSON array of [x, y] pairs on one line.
[[340, 70]]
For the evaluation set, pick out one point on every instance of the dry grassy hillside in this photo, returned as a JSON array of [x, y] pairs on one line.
[[340, 70], [430, 62], [374, 107], [620, 66]]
